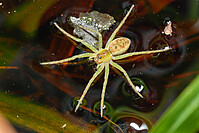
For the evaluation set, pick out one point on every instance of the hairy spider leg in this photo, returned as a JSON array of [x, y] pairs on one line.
[[76, 39], [118, 28], [96, 32], [69, 59], [104, 88], [88, 85], [126, 75], [140, 53]]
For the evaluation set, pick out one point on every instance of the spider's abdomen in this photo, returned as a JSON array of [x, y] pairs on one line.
[[103, 56], [119, 45]]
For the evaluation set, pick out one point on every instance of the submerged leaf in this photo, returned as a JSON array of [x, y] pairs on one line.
[[9, 48], [28, 15], [157, 5], [36, 117]]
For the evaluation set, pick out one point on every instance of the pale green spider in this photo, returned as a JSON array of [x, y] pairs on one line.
[[104, 57]]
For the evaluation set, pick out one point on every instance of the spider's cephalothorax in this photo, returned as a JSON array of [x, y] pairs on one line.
[[114, 50], [116, 47], [103, 56]]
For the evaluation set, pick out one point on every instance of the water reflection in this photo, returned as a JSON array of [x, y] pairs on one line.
[[139, 88], [130, 123], [137, 127]]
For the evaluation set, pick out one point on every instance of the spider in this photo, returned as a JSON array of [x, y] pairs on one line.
[[104, 57]]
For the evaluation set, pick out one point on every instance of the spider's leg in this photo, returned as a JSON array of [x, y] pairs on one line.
[[96, 32], [126, 75], [118, 28], [104, 87], [68, 59], [76, 39], [88, 85], [140, 53]]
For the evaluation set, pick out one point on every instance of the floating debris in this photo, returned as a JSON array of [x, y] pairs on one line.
[[94, 20], [63, 126], [168, 29]]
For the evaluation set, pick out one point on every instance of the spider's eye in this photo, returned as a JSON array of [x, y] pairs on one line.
[[99, 57]]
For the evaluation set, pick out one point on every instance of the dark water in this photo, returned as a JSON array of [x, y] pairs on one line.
[[160, 77]]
